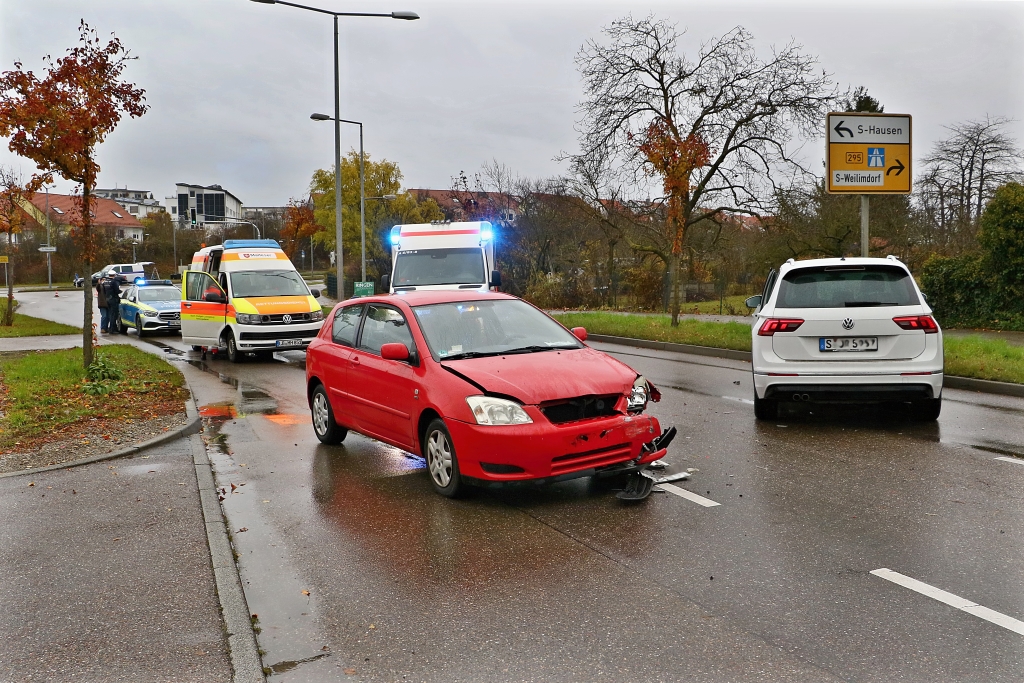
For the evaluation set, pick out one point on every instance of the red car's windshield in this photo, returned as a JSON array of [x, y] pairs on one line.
[[471, 329]]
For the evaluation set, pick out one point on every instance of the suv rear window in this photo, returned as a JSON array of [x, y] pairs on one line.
[[847, 287]]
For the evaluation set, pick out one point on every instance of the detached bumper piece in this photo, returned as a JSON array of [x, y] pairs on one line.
[[641, 483]]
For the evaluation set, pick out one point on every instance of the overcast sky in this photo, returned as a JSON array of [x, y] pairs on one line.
[[231, 83]]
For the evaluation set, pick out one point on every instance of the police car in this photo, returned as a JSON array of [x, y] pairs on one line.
[[149, 306]]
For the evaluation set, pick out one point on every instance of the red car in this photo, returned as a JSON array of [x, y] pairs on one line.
[[486, 387]]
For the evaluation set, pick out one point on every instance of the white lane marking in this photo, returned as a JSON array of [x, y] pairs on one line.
[[693, 497], [956, 601], [1016, 461]]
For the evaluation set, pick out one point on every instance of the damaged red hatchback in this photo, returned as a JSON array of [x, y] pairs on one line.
[[486, 387]]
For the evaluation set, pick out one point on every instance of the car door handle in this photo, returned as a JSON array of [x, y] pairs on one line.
[[187, 305], [355, 360]]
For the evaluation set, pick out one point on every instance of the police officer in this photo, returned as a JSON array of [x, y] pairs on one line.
[[108, 292]]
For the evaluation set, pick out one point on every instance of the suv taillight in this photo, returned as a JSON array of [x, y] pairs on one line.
[[772, 325], [917, 322]]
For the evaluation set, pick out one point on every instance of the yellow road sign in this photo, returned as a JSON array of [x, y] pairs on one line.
[[869, 153], [3, 259]]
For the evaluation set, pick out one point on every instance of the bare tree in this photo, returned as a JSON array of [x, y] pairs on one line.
[[960, 176], [718, 129]]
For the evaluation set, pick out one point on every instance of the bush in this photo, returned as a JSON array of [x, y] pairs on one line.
[[959, 290]]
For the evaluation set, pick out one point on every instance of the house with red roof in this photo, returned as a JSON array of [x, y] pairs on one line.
[[62, 211]]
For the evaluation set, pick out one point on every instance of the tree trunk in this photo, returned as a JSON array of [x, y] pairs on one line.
[[9, 313], [673, 269], [611, 272], [88, 334]]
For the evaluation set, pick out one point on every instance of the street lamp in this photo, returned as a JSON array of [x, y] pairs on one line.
[[237, 221], [408, 16]]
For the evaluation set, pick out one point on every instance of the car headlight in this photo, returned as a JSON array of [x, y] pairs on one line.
[[637, 400], [497, 411], [317, 315], [248, 318]]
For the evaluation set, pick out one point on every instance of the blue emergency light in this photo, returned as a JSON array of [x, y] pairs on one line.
[[396, 234], [486, 231]]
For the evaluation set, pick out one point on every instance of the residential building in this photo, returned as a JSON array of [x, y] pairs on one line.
[[107, 215], [139, 203], [203, 206]]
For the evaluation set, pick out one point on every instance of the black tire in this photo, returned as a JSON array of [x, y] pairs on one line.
[[766, 408], [234, 355], [138, 327], [926, 410], [324, 425], [197, 348], [442, 463]]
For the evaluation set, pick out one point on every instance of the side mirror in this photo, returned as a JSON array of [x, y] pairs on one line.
[[385, 283], [315, 293], [754, 301], [580, 333], [394, 351], [214, 298], [495, 279]]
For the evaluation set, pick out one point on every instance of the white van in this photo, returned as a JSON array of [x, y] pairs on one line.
[[442, 255], [245, 296]]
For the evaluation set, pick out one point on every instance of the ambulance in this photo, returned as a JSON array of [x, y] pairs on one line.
[[245, 296], [442, 255]]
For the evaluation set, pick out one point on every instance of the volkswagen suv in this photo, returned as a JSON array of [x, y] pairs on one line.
[[843, 330]]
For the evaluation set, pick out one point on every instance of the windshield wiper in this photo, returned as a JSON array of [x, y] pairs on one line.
[[471, 354], [534, 348], [855, 304]]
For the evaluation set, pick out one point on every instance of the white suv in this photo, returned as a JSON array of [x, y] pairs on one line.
[[845, 330]]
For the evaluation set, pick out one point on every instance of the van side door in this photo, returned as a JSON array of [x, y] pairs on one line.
[[202, 315]]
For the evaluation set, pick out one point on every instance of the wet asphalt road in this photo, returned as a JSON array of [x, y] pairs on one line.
[[566, 583]]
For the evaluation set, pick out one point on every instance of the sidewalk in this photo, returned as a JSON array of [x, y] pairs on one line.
[[105, 574]]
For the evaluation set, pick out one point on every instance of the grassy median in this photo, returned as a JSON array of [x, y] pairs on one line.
[[972, 356], [27, 326], [45, 395]]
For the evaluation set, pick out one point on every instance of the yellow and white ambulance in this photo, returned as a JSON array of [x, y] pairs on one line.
[[245, 296]]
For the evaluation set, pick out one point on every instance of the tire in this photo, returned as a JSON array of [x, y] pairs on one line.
[[926, 410], [766, 408], [138, 327], [197, 348], [442, 463], [324, 426], [234, 355]]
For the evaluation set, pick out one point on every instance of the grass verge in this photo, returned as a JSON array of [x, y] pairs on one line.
[[972, 356], [43, 397], [983, 358], [659, 328], [27, 326]]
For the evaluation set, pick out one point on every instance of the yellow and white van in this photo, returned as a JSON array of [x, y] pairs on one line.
[[245, 296]]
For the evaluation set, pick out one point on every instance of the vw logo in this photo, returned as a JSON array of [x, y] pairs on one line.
[[848, 324], [287, 319]]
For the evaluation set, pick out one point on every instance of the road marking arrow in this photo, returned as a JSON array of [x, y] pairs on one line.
[[839, 128], [898, 168]]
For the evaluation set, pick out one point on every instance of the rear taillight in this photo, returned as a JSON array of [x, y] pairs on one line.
[[917, 322], [772, 325]]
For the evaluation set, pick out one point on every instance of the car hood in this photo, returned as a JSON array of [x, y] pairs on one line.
[[547, 375], [162, 305]]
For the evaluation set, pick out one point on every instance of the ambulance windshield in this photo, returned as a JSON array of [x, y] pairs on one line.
[[256, 283], [456, 266]]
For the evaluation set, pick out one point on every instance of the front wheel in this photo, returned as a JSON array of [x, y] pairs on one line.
[[324, 426], [234, 355], [765, 408], [442, 462], [138, 326]]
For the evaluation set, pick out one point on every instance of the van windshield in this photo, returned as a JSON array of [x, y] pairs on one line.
[[455, 266], [256, 283], [847, 287]]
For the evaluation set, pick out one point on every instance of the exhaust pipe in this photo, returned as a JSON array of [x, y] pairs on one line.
[[801, 397]]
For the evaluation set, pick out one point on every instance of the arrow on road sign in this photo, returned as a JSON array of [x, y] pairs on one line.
[[898, 168], [840, 128]]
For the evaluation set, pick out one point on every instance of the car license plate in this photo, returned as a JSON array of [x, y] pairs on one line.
[[281, 343], [175, 323], [848, 344]]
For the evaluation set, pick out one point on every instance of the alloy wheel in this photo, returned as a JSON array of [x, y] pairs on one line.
[[439, 458]]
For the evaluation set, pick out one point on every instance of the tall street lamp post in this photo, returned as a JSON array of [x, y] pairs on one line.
[[408, 16]]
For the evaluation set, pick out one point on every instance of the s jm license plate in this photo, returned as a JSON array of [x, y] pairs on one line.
[[285, 343], [848, 344]]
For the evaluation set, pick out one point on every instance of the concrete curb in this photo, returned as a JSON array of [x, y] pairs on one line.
[[670, 346], [192, 425], [949, 381], [246, 663]]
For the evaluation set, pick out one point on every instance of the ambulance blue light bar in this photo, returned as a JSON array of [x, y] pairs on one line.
[[396, 234], [251, 244]]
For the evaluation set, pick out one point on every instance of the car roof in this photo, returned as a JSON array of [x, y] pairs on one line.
[[437, 296], [844, 261]]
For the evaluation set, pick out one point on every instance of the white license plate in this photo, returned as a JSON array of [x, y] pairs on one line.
[[175, 323], [848, 344], [282, 343]]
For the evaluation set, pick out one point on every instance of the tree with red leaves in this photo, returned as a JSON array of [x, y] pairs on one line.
[[58, 121], [299, 225], [13, 192], [717, 129]]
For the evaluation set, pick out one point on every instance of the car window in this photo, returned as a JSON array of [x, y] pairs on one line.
[[384, 325], [452, 266], [847, 287], [157, 293], [198, 284], [130, 294], [346, 324]]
